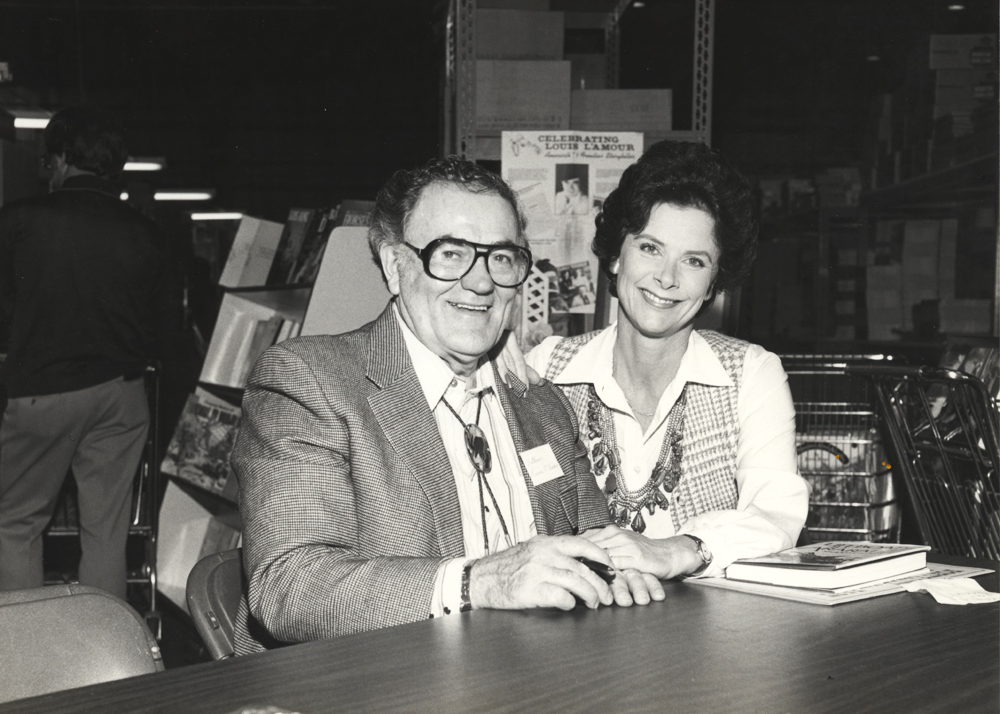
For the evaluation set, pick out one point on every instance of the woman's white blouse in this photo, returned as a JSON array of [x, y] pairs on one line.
[[773, 498]]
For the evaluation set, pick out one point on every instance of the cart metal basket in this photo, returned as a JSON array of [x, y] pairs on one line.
[[944, 427], [841, 454]]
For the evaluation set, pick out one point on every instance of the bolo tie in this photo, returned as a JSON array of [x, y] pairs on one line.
[[478, 449]]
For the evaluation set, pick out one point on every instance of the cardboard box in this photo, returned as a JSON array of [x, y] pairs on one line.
[[965, 317], [589, 71], [621, 109], [253, 251], [920, 265], [884, 301], [963, 51], [947, 253], [522, 94], [519, 35], [960, 91]]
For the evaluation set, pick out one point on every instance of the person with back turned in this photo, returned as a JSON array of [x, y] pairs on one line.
[[81, 277]]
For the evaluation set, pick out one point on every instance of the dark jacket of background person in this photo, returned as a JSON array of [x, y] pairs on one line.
[[82, 275]]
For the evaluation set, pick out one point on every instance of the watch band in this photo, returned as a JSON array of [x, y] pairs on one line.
[[703, 552], [466, 603]]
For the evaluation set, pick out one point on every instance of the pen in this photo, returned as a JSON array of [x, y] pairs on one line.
[[605, 572]]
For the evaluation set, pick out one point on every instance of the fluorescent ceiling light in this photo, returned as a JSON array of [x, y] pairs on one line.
[[217, 216], [144, 164], [31, 122], [184, 195], [956, 7]]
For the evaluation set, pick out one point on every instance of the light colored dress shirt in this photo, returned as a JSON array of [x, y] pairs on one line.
[[506, 480], [773, 498]]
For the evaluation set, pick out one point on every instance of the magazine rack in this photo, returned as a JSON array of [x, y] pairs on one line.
[[944, 425]]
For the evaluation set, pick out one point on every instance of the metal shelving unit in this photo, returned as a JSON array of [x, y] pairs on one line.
[[460, 135]]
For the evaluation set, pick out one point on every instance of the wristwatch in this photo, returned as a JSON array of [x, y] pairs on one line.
[[703, 552]]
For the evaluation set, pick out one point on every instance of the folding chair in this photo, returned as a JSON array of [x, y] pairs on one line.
[[214, 588], [65, 636]]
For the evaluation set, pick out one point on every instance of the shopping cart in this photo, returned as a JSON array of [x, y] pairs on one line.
[[944, 427], [841, 454]]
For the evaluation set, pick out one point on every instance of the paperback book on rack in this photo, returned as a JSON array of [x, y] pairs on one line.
[[831, 564], [203, 440]]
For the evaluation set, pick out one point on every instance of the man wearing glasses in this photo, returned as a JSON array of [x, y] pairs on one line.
[[388, 475]]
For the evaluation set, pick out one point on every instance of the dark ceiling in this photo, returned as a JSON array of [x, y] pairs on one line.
[[276, 104]]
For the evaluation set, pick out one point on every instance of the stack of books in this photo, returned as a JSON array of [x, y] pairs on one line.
[[834, 572]]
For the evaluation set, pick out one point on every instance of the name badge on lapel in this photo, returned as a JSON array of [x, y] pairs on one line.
[[541, 464]]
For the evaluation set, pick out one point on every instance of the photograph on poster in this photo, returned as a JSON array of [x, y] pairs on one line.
[[572, 195], [576, 287], [562, 178]]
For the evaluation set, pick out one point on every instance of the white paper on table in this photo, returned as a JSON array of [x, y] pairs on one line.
[[953, 591]]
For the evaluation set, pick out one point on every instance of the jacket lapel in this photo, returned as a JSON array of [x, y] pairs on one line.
[[507, 400], [409, 426]]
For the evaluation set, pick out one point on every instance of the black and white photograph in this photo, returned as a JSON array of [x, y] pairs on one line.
[[495, 356]]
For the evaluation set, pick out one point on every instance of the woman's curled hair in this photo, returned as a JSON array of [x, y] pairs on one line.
[[684, 175]]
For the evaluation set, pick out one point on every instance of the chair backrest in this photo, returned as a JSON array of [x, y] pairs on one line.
[[214, 588], [66, 636]]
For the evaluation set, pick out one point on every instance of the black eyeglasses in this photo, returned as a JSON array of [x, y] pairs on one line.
[[453, 258]]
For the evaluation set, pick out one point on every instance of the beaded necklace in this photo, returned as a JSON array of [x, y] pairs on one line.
[[626, 505]]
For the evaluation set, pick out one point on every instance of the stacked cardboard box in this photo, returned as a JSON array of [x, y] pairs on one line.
[[914, 281], [526, 80], [965, 98]]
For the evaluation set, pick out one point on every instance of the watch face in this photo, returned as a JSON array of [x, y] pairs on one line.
[[703, 552]]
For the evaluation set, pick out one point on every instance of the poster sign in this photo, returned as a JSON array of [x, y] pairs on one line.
[[562, 178]]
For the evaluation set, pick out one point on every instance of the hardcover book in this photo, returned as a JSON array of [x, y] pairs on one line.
[[831, 564], [839, 596]]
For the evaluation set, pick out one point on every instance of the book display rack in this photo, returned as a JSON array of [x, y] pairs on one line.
[[269, 280]]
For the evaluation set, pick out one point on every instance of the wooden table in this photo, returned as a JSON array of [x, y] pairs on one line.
[[702, 650]]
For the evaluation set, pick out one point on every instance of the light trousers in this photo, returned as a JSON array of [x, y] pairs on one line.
[[98, 432]]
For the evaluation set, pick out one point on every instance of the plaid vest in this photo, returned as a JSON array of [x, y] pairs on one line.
[[711, 427]]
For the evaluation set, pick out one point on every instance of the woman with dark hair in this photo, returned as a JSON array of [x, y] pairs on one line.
[[691, 433]]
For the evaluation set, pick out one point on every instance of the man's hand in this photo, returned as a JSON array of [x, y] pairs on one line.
[[541, 572], [664, 558], [634, 588]]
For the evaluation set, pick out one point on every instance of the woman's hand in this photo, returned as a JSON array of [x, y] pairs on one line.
[[665, 558], [510, 360]]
